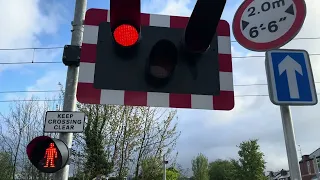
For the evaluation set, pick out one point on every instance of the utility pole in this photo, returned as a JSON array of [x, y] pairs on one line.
[[300, 150], [72, 78], [164, 167], [290, 142]]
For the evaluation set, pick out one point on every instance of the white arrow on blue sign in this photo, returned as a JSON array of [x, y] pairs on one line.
[[290, 78]]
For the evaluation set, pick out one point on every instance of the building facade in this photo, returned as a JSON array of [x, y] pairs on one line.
[[310, 165], [280, 175]]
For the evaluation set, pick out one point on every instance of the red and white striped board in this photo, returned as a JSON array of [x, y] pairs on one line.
[[86, 93]]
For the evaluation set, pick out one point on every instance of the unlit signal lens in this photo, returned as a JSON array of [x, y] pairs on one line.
[[161, 63]]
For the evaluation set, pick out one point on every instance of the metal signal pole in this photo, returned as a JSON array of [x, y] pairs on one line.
[[164, 168], [289, 139], [72, 78]]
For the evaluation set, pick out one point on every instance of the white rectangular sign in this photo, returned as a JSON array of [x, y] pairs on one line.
[[62, 121]]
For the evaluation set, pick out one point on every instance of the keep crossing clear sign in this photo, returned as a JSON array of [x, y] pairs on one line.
[[62, 121]]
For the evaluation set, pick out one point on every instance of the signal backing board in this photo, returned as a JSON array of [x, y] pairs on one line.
[[86, 92]]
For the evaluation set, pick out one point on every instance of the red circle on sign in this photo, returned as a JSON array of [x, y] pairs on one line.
[[288, 36]]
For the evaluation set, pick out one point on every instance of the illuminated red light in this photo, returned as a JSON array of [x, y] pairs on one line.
[[126, 35], [50, 155]]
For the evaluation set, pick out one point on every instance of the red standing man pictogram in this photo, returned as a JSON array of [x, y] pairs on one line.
[[50, 155]]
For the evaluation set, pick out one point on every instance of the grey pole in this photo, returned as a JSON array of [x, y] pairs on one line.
[[290, 141], [164, 168], [72, 78]]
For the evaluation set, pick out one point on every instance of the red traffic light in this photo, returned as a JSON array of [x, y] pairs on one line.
[[126, 35], [202, 25], [125, 21], [161, 63], [47, 154]]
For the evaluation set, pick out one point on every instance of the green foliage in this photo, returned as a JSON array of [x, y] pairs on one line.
[[200, 167], [6, 166], [115, 141], [96, 160], [251, 164], [151, 168], [116, 137], [73, 178], [172, 174], [221, 170]]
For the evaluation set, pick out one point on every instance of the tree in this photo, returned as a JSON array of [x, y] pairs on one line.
[[172, 174], [200, 167], [159, 135], [18, 126], [122, 138], [6, 166], [151, 169], [221, 170], [251, 164], [116, 139], [92, 141], [183, 173]]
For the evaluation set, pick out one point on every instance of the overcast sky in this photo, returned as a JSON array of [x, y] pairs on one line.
[[31, 23]]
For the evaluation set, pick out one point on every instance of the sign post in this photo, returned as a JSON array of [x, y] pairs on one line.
[[268, 25], [290, 142], [72, 78], [290, 82]]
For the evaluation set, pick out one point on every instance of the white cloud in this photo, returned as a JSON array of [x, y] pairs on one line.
[[22, 23], [167, 7], [49, 81], [177, 7]]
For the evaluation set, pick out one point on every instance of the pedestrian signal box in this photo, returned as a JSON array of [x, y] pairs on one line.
[[47, 154]]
